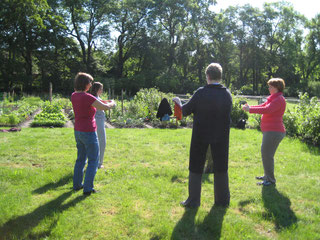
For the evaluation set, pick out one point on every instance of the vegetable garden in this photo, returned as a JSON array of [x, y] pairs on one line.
[[302, 120]]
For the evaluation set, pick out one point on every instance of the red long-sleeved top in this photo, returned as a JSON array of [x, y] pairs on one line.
[[272, 113]]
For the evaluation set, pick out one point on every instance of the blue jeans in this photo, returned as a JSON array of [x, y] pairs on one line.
[[88, 147]]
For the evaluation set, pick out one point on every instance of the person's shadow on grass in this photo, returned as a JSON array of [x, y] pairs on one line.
[[211, 226], [53, 185], [21, 227], [185, 228], [278, 208]]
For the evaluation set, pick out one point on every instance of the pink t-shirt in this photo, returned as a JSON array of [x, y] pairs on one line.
[[83, 112], [272, 113]]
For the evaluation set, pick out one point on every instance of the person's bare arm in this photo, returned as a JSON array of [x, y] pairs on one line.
[[103, 106]]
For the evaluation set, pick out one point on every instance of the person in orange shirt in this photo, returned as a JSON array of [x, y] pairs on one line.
[[177, 108]]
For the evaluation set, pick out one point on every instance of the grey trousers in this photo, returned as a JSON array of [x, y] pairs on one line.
[[270, 143], [101, 132]]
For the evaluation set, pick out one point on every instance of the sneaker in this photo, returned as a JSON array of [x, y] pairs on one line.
[[260, 178], [189, 204], [266, 183]]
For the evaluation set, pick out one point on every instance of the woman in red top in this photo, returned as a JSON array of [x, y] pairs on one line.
[[272, 127], [84, 108]]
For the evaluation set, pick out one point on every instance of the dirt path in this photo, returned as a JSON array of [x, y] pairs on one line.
[[69, 123], [147, 125], [27, 123], [108, 125]]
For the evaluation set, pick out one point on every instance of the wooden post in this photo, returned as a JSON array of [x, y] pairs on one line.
[[50, 92], [122, 101]]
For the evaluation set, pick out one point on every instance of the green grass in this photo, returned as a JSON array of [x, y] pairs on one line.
[[144, 181]]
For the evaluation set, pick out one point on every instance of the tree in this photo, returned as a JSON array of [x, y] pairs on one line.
[[280, 28], [88, 22], [129, 21], [22, 24]]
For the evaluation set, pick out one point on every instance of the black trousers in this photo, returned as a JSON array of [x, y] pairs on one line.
[[221, 189]]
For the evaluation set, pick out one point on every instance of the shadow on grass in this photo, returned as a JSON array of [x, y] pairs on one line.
[[306, 146], [21, 227], [185, 228], [313, 150], [63, 181], [278, 208], [211, 226]]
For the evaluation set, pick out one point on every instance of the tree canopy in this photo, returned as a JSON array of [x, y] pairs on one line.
[[133, 44]]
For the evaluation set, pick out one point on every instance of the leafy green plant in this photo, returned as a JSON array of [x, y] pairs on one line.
[[303, 120], [13, 113], [237, 113], [51, 115], [49, 119]]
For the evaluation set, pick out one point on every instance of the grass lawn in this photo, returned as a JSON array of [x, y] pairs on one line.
[[144, 180]]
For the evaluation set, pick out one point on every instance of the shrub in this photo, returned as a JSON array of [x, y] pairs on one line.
[[303, 121], [13, 119], [144, 105], [33, 101], [237, 113], [314, 88], [247, 89]]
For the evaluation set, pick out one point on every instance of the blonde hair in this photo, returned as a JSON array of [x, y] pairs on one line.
[[277, 83]]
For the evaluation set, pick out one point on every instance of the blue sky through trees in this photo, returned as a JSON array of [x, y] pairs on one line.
[[309, 8]]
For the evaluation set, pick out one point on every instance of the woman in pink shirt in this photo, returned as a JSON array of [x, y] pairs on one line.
[[84, 108], [272, 127]]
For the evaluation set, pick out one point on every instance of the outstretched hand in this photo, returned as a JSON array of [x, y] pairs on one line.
[[246, 107], [110, 103]]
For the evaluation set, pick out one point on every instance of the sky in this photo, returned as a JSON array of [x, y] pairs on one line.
[[309, 8]]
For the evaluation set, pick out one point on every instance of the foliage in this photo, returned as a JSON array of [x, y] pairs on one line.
[[237, 113], [303, 120], [51, 116], [45, 119], [122, 122], [314, 88], [143, 107], [13, 113], [164, 44], [246, 90]]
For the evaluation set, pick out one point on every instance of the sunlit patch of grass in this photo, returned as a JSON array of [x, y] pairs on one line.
[[144, 179]]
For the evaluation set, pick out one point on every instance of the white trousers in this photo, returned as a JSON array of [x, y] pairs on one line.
[[101, 132]]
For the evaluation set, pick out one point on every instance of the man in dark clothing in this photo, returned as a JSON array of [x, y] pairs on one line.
[[211, 107]]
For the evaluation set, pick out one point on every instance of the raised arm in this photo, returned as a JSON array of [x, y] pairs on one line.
[[267, 109], [189, 107], [103, 106]]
